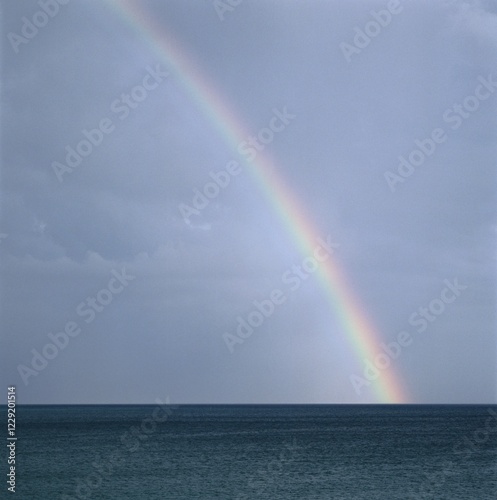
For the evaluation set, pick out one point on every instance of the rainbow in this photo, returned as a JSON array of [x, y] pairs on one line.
[[361, 335]]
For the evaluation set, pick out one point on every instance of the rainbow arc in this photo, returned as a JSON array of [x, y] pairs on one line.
[[361, 335]]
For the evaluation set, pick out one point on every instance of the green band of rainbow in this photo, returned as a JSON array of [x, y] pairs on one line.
[[362, 337]]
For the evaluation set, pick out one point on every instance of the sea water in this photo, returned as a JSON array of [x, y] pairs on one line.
[[256, 452]]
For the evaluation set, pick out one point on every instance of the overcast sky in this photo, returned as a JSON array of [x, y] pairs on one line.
[[354, 111]]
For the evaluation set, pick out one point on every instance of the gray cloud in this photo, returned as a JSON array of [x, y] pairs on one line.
[[119, 207]]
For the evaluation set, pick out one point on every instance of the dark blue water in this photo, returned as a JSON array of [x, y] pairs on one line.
[[256, 452]]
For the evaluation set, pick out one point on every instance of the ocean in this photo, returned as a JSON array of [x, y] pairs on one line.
[[337, 452]]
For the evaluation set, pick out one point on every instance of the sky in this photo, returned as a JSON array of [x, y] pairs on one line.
[[126, 270]]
